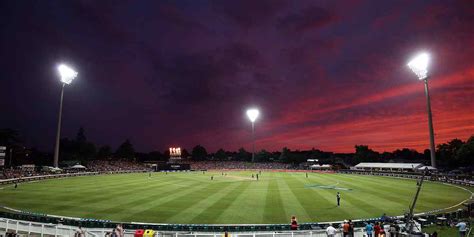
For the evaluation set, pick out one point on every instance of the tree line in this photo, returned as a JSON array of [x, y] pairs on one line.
[[452, 154]]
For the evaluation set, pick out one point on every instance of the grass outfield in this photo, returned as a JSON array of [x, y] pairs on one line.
[[233, 199]]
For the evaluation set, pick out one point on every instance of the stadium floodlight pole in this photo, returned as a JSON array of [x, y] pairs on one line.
[[253, 115], [67, 75], [419, 65]]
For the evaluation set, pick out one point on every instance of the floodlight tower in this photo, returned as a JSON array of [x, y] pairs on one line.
[[419, 65], [253, 115], [67, 75]]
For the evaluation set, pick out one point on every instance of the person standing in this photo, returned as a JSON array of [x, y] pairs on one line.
[[369, 229], [377, 229], [80, 232], [306, 175], [119, 230], [331, 231], [345, 229], [462, 227], [393, 230], [257, 177], [351, 228], [294, 223], [338, 197]]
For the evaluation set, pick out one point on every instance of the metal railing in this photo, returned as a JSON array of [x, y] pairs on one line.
[[28, 228]]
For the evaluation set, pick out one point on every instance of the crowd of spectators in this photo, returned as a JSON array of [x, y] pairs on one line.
[[105, 165], [92, 166], [18, 173], [209, 165]]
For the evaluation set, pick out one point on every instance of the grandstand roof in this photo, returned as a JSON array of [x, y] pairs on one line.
[[389, 165]]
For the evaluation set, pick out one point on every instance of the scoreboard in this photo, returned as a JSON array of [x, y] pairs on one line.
[[3, 150]]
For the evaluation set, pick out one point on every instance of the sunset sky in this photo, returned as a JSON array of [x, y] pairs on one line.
[[324, 74]]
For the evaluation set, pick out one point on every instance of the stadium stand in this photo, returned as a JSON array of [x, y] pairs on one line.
[[399, 167]]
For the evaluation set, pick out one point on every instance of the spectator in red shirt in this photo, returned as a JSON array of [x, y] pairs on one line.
[[377, 229], [294, 223]]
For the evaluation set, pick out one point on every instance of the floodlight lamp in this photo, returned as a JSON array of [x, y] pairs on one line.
[[419, 65], [66, 73], [253, 114]]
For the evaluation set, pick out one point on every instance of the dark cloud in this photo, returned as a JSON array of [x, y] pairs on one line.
[[311, 18], [249, 13]]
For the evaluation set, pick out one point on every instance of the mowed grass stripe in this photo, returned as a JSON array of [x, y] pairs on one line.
[[204, 205], [177, 205], [274, 211], [291, 202], [214, 212], [151, 207], [251, 200]]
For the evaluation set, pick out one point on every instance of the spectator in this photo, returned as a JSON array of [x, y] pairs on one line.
[[331, 231], [462, 227], [393, 230], [345, 229], [294, 223], [377, 229], [382, 231], [351, 228], [80, 232], [369, 228], [119, 230]]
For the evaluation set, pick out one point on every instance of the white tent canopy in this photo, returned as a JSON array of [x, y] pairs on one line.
[[388, 166], [325, 166], [78, 166]]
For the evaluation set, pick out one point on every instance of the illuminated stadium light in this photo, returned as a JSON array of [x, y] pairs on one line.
[[253, 114], [66, 73], [419, 65]]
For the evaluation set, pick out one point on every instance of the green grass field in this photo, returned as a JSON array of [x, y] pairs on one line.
[[192, 197]]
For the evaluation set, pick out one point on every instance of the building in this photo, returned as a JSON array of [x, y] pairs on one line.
[[393, 167]]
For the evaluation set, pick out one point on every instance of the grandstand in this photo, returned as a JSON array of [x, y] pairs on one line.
[[397, 167]]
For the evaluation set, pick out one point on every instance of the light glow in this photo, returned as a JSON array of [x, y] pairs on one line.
[[66, 73], [419, 65], [253, 114]]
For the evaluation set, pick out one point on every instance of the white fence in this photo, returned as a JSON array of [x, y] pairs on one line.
[[26, 228]]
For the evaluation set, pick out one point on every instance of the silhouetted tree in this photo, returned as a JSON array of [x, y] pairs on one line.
[[104, 152], [221, 154], [447, 152], [243, 155], [184, 154], [81, 136], [85, 150], [465, 154], [199, 153], [363, 154], [263, 156], [285, 155], [9, 137], [125, 151], [157, 156]]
